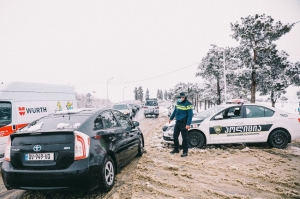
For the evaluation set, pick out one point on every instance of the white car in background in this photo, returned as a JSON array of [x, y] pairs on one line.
[[240, 123], [124, 108]]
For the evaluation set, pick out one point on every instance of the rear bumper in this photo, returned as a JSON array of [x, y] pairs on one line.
[[74, 177], [151, 112]]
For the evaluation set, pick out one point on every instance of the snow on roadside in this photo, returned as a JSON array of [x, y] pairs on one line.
[[217, 171]]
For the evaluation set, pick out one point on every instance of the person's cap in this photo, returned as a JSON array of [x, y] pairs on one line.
[[182, 94]]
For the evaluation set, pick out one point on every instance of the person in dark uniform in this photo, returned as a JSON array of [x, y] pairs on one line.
[[183, 113]]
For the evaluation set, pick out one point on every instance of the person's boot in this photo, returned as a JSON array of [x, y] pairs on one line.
[[174, 151], [184, 154]]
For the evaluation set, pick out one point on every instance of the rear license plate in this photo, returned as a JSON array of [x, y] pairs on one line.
[[39, 156]]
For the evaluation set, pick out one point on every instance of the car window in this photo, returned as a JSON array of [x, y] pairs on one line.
[[108, 119], [5, 113], [230, 113], [98, 123], [258, 111], [123, 119]]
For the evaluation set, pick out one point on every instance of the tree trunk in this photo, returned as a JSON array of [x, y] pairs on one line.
[[218, 92], [272, 99], [253, 78], [205, 101]]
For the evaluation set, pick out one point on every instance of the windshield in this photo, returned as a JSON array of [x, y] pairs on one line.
[[120, 107], [56, 122], [207, 113], [5, 113]]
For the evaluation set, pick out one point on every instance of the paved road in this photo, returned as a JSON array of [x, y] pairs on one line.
[[146, 125]]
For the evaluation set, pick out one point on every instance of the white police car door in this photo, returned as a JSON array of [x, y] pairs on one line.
[[225, 127], [257, 123]]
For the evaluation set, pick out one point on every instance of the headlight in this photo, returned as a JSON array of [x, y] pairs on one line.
[[170, 128]]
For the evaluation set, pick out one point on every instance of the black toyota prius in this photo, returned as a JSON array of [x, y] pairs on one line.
[[73, 149]]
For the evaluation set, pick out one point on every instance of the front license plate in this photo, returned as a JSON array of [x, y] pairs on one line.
[[39, 156]]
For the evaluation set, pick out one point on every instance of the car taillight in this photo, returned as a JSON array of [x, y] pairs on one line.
[[157, 107], [145, 107], [299, 119], [81, 145], [7, 150]]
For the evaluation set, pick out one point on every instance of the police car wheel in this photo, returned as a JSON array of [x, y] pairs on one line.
[[108, 174], [196, 139], [141, 147], [278, 139]]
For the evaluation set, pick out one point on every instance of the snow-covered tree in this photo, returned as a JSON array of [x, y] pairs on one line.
[[298, 94], [166, 95], [135, 93], [89, 101], [277, 74], [211, 68], [256, 33], [140, 93], [147, 94]]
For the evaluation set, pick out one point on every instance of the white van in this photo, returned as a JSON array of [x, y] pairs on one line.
[[23, 102]]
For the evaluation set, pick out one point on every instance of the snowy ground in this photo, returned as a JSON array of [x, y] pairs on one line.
[[217, 171]]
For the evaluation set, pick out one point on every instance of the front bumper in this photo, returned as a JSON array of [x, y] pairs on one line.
[[74, 177], [168, 137]]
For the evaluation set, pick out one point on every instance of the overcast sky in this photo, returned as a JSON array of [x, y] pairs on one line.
[[137, 43]]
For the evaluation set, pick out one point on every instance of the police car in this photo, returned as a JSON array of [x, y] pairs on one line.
[[240, 123]]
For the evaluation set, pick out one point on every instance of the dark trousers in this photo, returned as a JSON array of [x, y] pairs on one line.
[[180, 127]]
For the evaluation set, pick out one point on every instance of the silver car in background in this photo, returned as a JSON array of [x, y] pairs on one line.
[[151, 108]]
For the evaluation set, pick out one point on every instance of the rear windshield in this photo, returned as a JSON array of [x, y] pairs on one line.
[[151, 103], [120, 107], [56, 122], [44, 139], [5, 113]]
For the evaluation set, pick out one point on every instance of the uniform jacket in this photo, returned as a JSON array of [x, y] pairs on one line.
[[183, 111]]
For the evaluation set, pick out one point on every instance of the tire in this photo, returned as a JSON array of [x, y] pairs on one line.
[[278, 139], [108, 174], [145, 116], [196, 139], [141, 147]]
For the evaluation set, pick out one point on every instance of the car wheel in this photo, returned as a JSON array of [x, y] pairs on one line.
[[278, 139], [196, 139], [141, 148], [145, 116], [108, 174]]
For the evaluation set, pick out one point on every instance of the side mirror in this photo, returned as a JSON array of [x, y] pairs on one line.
[[135, 124], [219, 117]]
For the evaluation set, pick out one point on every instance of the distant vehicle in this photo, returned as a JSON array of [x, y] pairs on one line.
[[23, 102], [240, 123], [151, 108], [134, 108], [124, 108], [74, 149]]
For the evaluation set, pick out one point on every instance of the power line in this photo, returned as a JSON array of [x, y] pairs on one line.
[[158, 75]]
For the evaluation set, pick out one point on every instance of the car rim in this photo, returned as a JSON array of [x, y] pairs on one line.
[[278, 139], [194, 141], [109, 173]]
